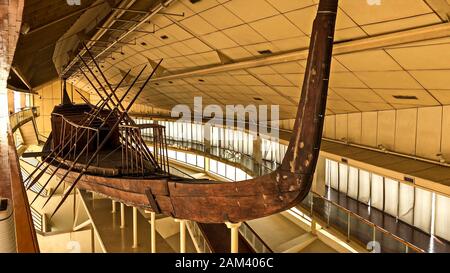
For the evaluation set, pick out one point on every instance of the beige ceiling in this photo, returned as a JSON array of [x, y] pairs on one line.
[[215, 33]]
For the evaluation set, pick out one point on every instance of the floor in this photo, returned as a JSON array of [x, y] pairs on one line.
[[116, 239]]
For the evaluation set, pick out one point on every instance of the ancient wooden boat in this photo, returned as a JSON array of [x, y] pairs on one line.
[[99, 148]]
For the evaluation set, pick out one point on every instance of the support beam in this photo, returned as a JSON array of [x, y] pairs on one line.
[[135, 228], [122, 215], [234, 227], [153, 232], [182, 235]]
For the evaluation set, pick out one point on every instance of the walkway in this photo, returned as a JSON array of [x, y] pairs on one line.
[[117, 240], [387, 222]]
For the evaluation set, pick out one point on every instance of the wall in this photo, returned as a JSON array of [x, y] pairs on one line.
[[422, 132], [49, 95]]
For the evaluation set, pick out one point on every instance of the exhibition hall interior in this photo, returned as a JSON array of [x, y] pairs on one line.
[[225, 126]]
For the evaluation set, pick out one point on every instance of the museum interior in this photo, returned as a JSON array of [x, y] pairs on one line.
[[225, 126]]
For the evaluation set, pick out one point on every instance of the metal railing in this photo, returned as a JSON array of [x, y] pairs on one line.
[[199, 239], [25, 115], [253, 239], [39, 221], [354, 227]]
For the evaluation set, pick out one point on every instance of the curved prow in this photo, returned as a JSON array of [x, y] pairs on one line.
[[291, 182], [303, 150]]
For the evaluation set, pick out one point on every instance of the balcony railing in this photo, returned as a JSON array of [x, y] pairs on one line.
[[252, 238], [25, 115], [201, 243], [354, 227]]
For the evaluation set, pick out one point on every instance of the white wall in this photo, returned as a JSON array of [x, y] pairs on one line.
[[422, 131]]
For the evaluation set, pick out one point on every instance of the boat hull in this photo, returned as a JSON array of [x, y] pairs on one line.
[[212, 202]]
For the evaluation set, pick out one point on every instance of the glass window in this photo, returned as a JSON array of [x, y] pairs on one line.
[[353, 177], [240, 175], [172, 154], [201, 161], [334, 174], [390, 196], [231, 172], [213, 165], [406, 203], [181, 156], [221, 169], [343, 177], [364, 187], [191, 159], [376, 199], [422, 210], [442, 222]]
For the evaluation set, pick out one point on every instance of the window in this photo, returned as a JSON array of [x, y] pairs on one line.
[[213, 166], [391, 196], [221, 169], [343, 177], [442, 222], [17, 104], [364, 187], [191, 159], [353, 183], [201, 161], [231, 172], [376, 199]]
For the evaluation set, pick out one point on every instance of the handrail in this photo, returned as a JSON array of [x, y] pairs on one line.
[[192, 226], [248, 227], [38, 220], [25, 233], [37, 187], [25, 115], [362, 219]]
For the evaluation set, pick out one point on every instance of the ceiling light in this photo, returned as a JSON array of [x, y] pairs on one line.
[[265, 52], [201, 80], [143, 43], [256, 98], [194, 1], [404, 97], [164, 37]]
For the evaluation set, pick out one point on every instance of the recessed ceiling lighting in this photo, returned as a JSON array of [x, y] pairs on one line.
[[201, 80], [265, 52], [113, 58], [194, 1], [156, 83], [143, 43], [403, 97], [164, 37], [170, 81], [256, 98]]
